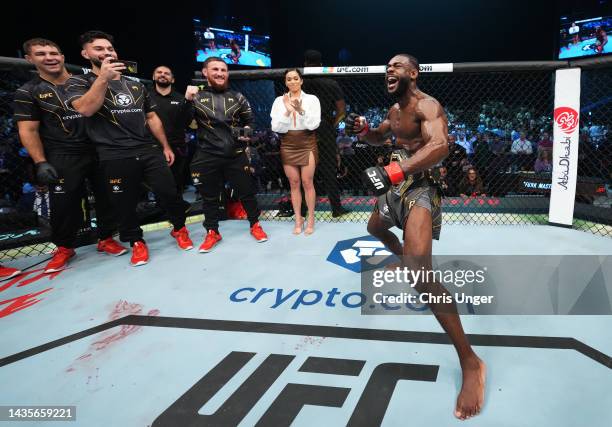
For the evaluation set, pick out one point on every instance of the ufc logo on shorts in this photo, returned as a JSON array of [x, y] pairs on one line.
[[375, 180], [195, 177], [369, 410]]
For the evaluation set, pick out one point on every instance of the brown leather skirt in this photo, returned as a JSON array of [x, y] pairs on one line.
[[296, 146]]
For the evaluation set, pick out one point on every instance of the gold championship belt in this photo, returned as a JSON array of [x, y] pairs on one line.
[[422, 179]]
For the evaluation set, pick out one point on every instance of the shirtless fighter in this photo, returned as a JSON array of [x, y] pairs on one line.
[[410, 199]]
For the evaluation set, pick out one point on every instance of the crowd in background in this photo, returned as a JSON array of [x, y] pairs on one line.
[[488, 145]]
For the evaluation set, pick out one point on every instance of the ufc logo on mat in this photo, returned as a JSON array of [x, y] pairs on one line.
[[369, 410]]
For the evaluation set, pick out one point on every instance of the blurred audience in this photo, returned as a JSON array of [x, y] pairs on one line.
[[471, 185], [543, 163]]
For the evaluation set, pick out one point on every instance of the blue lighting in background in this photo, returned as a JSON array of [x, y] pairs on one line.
[[246, 28]]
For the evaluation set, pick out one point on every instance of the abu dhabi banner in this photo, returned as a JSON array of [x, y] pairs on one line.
[[565, 146]]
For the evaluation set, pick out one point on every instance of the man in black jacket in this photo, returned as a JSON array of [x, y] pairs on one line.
[[175, 113], [332, 112], [224, 119]]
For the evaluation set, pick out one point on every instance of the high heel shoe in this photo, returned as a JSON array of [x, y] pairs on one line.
[[298, 228], [310, 227]]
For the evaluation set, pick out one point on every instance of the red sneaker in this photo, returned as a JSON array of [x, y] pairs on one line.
[[212, 238], [182, 238], [59, 260], [258, 233], [8, 273], [111, 247], [140, 254]]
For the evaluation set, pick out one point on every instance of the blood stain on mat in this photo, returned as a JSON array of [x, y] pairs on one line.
[[108, 338], [309, 341]]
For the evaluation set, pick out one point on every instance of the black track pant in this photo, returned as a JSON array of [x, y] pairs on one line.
[[179, 167], [209, 173], [326, 137], [327, 170], [66, 198], [123, 177]]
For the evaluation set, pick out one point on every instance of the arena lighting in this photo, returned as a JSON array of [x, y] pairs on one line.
[[588, 20], [221, 29]]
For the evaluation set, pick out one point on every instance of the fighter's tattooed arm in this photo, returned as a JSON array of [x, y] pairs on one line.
[[30, 139], [92, 100], [27, 114]]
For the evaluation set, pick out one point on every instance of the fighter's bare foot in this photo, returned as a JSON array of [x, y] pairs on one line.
[[471, 396]]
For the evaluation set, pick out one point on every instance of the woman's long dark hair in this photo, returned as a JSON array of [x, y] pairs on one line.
[[288, 70], [478, 185]]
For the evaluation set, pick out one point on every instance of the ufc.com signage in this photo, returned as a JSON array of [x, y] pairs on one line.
[[565, 146], [376, 69]]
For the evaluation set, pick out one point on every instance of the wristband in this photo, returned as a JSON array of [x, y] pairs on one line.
[[395, 172], [365, 130]]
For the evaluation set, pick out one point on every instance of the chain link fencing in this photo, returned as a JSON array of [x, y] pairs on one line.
[[499, 167], [498, 170], [593, 209]]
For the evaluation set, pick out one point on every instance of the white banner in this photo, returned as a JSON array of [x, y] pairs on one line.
[[566, 129], [375, 69]]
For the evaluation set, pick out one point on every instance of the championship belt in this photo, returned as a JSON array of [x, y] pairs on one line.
[[421, 179]]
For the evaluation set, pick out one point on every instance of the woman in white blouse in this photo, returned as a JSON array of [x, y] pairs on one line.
[[295, 116]]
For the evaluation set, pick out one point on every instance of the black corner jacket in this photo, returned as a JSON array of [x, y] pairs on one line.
[[216, 113]]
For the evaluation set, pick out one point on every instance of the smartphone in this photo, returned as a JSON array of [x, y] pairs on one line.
[[131, 66], [242, 132]]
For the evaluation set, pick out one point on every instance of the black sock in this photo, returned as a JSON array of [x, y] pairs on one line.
[[253, 222]]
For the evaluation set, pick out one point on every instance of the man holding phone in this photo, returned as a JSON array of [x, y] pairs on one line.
[[121, 119], [224, 119], [64, 158]]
